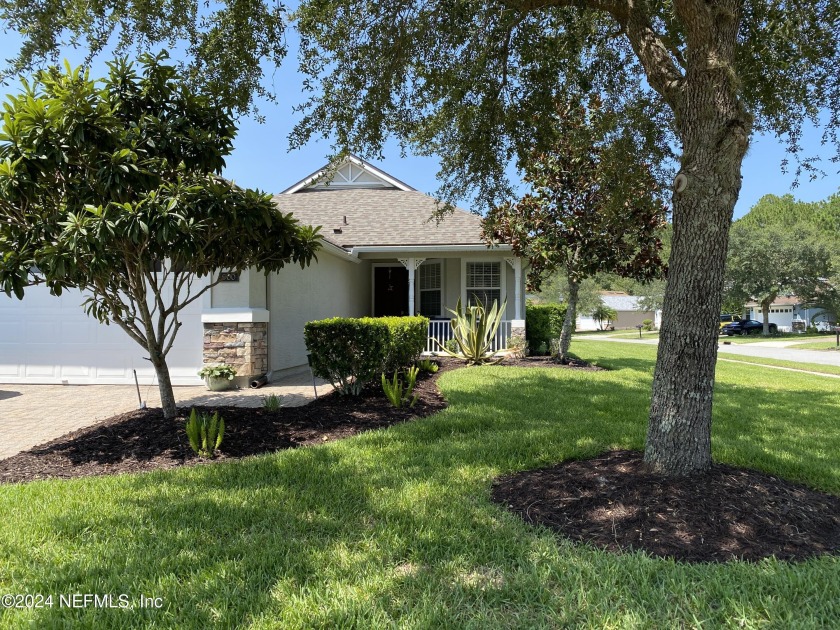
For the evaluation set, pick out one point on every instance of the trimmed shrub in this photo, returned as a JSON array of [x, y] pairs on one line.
[[647, 325], [407, 340], [347, 352], [543, 322]]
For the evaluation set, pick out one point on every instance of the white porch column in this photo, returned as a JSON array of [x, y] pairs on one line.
[[516, 264], [517, 325], [411, 264]]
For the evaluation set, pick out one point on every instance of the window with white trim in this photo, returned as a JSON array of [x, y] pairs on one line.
[[484, 281], [430, 286]]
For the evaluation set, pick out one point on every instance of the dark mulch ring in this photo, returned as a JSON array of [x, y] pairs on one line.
[[614, 502], [548, 361], [143, 440]]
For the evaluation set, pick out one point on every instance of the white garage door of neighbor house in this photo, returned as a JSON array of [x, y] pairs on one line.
[[46, 339]]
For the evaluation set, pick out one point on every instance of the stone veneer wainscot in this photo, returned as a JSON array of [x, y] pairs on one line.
[[242, 345]]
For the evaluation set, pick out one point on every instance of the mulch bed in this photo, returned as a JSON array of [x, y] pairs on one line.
[[614, 502], [143, 440]]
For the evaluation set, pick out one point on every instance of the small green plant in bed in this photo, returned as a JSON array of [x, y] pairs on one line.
[[399, 393], [218, 371], [271, 402], [428, 366], [205, 433]]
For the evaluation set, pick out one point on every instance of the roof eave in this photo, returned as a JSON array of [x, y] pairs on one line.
[[387, 249]]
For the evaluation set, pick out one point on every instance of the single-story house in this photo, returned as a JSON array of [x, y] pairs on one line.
[[629, 312], [788, 313], [383, 254]]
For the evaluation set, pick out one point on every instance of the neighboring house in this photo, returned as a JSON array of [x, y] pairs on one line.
[[383, 254], [787, 310], [629, 312]]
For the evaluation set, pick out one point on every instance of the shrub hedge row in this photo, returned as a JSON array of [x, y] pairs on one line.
[[544, 323], [408, 339], [350, 352]]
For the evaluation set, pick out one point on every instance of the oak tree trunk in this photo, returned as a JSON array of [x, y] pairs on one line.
[[714, 130], [570, 319]]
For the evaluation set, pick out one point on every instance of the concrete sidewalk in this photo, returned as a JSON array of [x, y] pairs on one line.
[[35, 414]]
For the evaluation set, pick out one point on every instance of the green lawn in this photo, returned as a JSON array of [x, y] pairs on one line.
[[634, 334], [795, 365], [395, 528]]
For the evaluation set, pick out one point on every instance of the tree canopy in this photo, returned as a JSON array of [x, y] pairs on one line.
[[229, 47], [474, 82], [113, 187], [786, 246]]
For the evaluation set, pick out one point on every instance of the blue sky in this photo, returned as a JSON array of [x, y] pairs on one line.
[[262, 159]]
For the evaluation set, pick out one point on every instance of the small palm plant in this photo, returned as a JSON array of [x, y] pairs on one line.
[[474, 331], [603, 314], [398, 393], [205, 433]]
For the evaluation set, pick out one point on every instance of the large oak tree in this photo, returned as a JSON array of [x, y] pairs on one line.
[[471, 81]]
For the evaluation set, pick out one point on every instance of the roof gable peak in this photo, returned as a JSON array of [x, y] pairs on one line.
[[348, 173]]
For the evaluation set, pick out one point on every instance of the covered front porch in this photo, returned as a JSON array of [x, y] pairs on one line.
[[431, 284]]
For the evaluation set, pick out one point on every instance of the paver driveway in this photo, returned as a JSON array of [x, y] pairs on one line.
[[34, 414]]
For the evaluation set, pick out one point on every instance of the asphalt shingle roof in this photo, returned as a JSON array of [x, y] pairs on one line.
[[380, 216]]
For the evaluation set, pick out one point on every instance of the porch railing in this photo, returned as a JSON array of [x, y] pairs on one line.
[[441, 330]]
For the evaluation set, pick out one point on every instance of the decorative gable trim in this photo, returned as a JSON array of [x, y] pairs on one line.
[[352, 172]]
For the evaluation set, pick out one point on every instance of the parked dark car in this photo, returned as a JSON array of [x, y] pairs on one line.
[[747, 327]]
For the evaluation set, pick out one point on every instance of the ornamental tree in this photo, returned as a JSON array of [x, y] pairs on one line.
[[113, 187], [593, 208], [475, 81]]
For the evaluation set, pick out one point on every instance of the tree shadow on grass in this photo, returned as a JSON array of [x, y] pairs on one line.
[[390, 525]]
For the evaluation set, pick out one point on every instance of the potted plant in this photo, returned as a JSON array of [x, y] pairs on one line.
[[218, 377]]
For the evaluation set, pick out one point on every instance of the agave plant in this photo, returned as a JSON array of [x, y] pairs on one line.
[[474, 331]]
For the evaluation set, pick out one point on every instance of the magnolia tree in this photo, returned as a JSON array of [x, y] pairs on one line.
[[594, 208], [112, 187]]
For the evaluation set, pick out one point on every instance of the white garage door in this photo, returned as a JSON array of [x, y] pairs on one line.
[[48, 339]]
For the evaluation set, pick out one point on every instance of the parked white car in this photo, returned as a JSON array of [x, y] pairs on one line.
[[824, 326]]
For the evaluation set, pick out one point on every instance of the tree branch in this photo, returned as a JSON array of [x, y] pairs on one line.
[[661, 67]]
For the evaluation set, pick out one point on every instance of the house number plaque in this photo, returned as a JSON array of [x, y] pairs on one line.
[[228, 276]]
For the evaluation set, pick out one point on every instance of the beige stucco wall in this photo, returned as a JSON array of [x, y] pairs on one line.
[[248, 292], [329, 288], [629, 319]]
